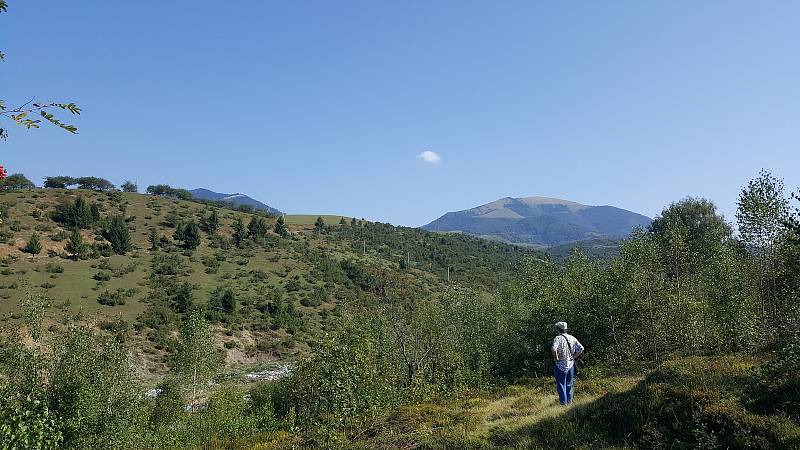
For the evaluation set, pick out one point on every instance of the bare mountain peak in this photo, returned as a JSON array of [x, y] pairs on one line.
[[541, 221], [238, 199]]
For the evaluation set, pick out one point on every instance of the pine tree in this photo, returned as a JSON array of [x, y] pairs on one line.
[[154, 239], [280, 227], [78, 214], [239, 231], [94, 214], [319, 225], [353, 222], [191, 235], [34, 245], [182, 297], [342, 221], [76, 245], [210, 224], [223, 300], [257, 228], [118, 235]]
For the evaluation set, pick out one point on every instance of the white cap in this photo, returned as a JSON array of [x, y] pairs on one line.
[[561, 326]]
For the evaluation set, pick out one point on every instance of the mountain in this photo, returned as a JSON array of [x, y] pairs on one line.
[[237, 199], [540, 221]]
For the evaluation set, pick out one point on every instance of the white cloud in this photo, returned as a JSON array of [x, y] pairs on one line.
[[430, 157]]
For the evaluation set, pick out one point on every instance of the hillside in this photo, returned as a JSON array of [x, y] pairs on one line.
[[234, 199], [286, 291], [540, 221]]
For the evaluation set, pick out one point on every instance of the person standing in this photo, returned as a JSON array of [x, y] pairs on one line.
[[566, 350]]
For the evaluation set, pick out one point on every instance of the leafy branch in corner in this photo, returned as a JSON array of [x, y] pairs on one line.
[[30, 115]]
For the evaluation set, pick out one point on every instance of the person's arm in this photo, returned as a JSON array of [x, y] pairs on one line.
[[554, 350], [578, 350]]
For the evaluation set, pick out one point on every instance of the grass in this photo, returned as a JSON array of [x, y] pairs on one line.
[[694, 402]]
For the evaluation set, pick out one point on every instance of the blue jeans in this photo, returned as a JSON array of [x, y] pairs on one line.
[[564, 384]]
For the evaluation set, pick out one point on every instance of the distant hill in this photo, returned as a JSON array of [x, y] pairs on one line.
[[237, 199], [540, 221]]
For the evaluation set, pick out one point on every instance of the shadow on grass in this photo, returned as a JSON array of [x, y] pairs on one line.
[[678, 406]]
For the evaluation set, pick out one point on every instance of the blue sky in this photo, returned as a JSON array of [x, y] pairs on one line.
[[324, 106]]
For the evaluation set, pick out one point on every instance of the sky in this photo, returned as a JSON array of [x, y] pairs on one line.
[[402, 111]]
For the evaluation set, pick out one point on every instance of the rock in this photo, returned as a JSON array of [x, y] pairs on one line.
[[271, 374]]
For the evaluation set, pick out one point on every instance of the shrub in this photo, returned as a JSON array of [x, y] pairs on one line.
[[115, 298], [54, 268], [102, 276], [29, 425], [34, 246], [101, 249], [59, 236]]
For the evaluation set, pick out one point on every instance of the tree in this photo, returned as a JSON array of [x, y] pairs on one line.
[[189, 233], [182, 297], [196, 357], [280, 227], [118, 235], [16, 181], [76, 245], [257, 228], [697, 221], [692, 238], [319, 225], [223, 300], [34, 246], [154, 239], [239, 231], [210, 224], [77, 214], [59, 182], [353, 222], [793, 221], [129, 186], [94, 184], [165, 190], [21, 115], [342, 221], [762, 211]]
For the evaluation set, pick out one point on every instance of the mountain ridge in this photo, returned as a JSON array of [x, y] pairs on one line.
[[236, 199], [540, 221]]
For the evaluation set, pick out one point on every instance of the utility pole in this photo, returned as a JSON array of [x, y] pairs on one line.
[[448, 274], [365, 246]]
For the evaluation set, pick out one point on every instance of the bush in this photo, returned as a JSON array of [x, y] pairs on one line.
[[54, 268], [776, 388], [101, 249], [115, 298], [310, 302], [29, 425], [102, 276], [34, 246]]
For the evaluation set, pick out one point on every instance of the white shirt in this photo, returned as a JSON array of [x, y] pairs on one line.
[[562, 344]]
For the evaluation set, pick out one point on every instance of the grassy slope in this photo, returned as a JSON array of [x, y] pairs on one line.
[[685, 403], [73, 293]]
